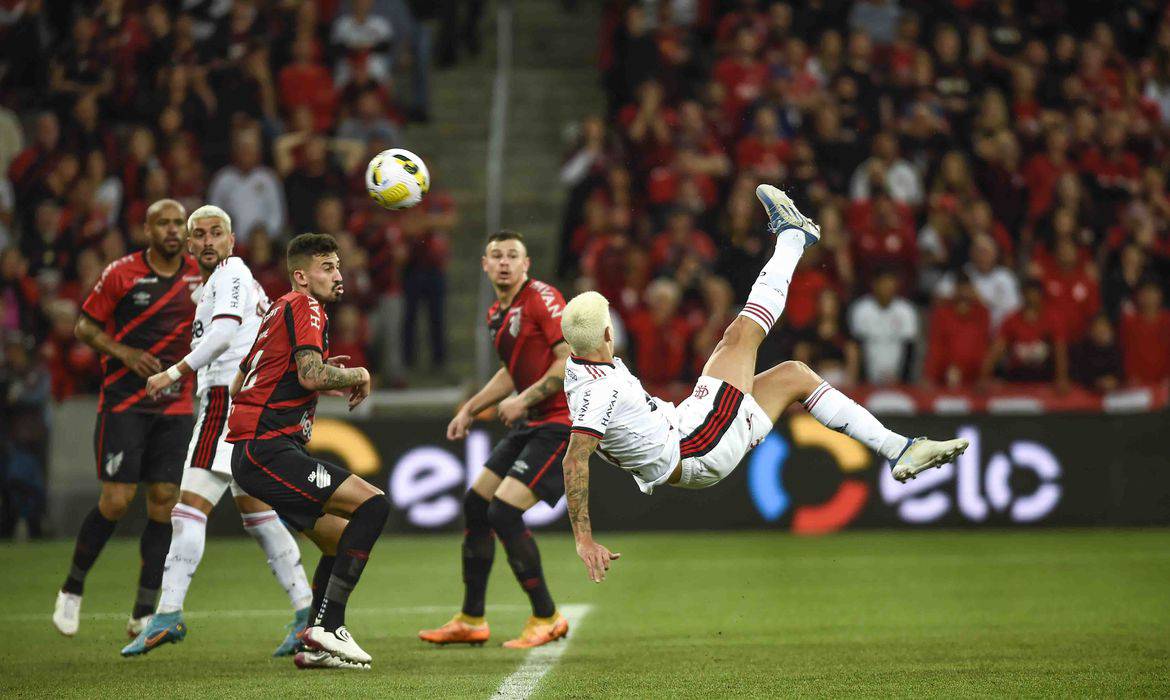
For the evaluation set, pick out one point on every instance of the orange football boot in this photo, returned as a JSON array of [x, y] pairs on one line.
[[462, 629], [540, 630]]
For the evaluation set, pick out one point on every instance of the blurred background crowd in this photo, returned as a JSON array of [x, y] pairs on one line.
[[269, 109], [989, 176]]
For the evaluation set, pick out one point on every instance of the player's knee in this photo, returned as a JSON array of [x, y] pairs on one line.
[[505, 519], [475, 511], [113, 506], [378, 508], [798, 375]]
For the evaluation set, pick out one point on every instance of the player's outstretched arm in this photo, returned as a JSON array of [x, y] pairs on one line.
[[140, 362], [216, 340], [553, 381], [316, 375], [576, 467], [496, 389]]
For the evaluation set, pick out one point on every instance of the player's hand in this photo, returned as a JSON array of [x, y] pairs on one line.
[[596, 558], [360, 391], [511, 410], [337, 361], [140, 362], [157, 384], [457, 428]]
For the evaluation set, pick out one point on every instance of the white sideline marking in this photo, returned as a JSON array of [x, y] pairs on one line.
[[540, 660], [283, 612]]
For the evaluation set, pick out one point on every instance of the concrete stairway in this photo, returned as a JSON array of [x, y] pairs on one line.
[[554, 82]]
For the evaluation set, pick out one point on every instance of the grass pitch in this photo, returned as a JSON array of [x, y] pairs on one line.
[[1033, 613]]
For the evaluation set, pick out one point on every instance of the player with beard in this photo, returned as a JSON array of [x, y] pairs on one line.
[[274, 400], [525, 467], [138, 316], [227, 317]]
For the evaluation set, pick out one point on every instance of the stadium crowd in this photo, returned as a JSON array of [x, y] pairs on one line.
[[267, 108], [989, 176]]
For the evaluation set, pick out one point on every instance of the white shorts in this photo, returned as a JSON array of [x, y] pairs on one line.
[[208, 469], [720, 425]]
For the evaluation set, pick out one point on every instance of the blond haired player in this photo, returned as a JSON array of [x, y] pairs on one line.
[[699, 442]]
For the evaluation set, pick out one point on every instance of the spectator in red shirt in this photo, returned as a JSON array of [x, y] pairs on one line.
[[73, 366], [1145, 337], [742, 76], [1030, 344], [884, 238], [347, 336], [1043, 170], [960, 335], [680, 240], [1071, 290], [763, 152], [306, 82], [660, 338]]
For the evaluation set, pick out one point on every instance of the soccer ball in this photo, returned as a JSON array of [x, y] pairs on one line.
[[397, 179]]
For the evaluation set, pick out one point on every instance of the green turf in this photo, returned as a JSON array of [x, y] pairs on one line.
[[1037, 613]]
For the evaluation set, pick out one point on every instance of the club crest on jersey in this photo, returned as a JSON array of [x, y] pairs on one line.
[[514, 323], [701, 391], [320, 478], [113, 462]]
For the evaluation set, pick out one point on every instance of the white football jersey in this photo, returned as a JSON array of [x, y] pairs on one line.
[[230, 291], [638, 432]]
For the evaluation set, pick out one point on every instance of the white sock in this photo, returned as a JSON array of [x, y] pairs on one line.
[[841, 413], [284, 556], [770, 291], [188, 537]]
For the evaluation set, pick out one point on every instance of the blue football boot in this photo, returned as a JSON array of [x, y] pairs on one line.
[[163, 628]]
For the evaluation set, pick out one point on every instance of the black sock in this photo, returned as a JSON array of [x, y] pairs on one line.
[[353, 550], [479, 550], [95, 532], [155, 542], [321, 579], [523, 555]]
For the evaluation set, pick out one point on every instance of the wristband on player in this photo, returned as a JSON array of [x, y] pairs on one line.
[[174, 373]]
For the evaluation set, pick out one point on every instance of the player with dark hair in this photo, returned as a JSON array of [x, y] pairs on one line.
[[524, 467], [274, 399], [138, 316]]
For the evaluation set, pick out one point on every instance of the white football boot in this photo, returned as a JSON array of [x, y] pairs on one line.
[[338, 642], [922, 454], [783, 214], [312, 658], [67, 613]]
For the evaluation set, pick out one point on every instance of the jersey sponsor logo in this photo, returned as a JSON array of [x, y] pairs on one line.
[[197, 329], [145, 280], [549, 297], [584, 409], [141, 298], [114, 462], [571, 375], [307, 426], [609, 411], [320, 477]]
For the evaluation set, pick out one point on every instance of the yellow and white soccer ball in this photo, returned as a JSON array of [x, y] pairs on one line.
[[397, 179]]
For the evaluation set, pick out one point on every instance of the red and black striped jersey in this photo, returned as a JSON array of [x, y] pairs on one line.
[[525, 333], [271, 401], [138, 307]]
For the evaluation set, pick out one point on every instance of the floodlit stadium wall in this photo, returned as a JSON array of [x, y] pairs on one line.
[[1021, 470]]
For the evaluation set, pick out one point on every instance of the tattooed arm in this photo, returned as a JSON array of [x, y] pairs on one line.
[[316, 375], [513, 409], [576, 466]]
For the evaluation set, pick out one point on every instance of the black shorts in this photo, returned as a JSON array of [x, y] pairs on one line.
[[141, 447], [533, 456], [284, 475]]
